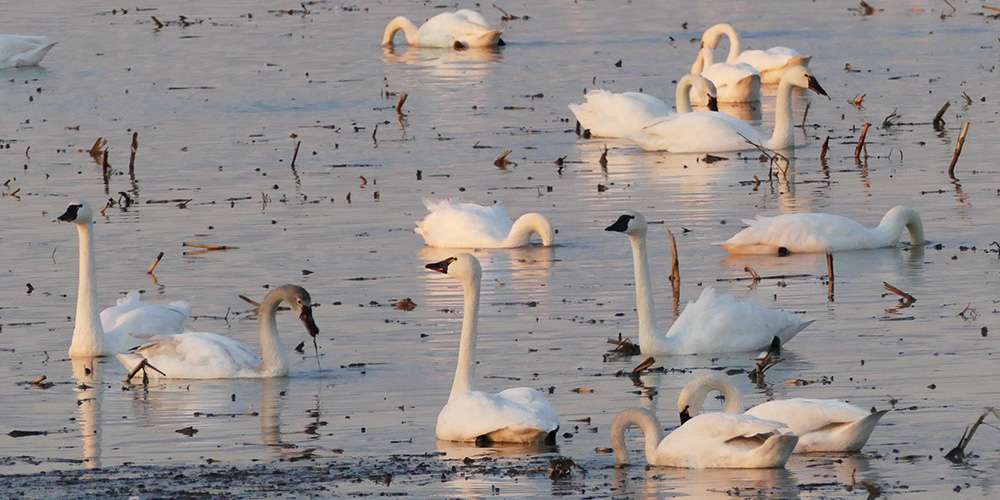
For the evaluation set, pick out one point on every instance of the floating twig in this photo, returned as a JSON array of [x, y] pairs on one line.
[[958, 150], [208, 247], [906, 298], [506, 16]]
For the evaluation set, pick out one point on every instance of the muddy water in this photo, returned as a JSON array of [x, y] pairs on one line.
[[220, 103]]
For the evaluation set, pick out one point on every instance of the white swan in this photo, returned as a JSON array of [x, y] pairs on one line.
[[706, 132], [710, 325], [820, 424], [454, 224], [204, 355], [735, 82], [715, 440], [22, 50], [518, 415], [620, 115], [461, 29], [807, 232], [771, 63], [103, 333]]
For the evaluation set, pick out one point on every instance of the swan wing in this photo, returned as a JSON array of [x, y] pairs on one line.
[[800, 233], [472, 17], [197, 355], [721, 440], [607, 114], [822, 424], [454, 224], [524, 411], [22, 50], [132, 318], [447, 28], [734, 82], [698, 132]]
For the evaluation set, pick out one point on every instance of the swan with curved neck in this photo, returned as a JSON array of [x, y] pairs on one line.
[[710, 325], [714, 440], [455, 224], [205, 355], [771, 63], [705, 132], [735, 82], [103, 333], [23, 50], [518, 415], [620, 115], [820, 424], [461, 29], [819, 232]]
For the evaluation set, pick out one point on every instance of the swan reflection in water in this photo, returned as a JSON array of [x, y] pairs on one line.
[[470, 64], [89, 392], [523, 268]]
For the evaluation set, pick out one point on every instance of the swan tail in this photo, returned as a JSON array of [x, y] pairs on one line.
[[796, 325], [856, 435], [774, 453]]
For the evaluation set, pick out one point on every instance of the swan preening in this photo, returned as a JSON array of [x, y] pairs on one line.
[[103, 333], [606, 114], [455, 224], [714, 440], [707, 132], [711, 324], [820, 424], [204, 355], [518, 415], [735, 82], [461, 29], [812, 232], [771, 63], [23, 50]]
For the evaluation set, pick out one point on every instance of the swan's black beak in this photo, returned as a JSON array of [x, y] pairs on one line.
[[441, 267], [500, 42], [685, 415], [307, 319], [713, 103], [814, 85], [70, 214], [620, 225]]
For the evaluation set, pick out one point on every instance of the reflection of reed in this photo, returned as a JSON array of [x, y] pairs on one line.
[[89, 392]]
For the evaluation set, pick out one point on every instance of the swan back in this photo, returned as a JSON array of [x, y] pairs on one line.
[[454, 224], [22, 50], [459, 30], [734, 82]]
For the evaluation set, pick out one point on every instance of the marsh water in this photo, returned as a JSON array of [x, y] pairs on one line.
[[221, 100]]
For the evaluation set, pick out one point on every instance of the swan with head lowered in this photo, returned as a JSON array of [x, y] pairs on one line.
[[735, 82], [455, 224], [820, 424], [711, 324], [707, 132], [606, 114], [23, 50], [461, 29], [518, 415], [205, 355], [714, 441], [818, 232], [771, 63], [103, 333]]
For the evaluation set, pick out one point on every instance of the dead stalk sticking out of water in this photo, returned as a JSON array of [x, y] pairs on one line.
[[155, 262], [675, 272], [502, 161], [958, 150], [296, 153], [826, 147], [938, 118], [402, 100], [131, 158], [142, 366], [604, 157], [906, 299], [861, 142], [753, 274], [957, 454]]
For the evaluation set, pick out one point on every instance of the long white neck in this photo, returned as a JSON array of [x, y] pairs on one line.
[[400, 23], [88, 333], [783, 136], [734, 43], [682, 99], [704, 60], [525, 226], [892, 224], [275, 362], [650, 428], [651, 338], [465, 373], [692, 397]]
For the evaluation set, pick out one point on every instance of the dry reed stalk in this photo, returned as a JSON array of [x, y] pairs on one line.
[[826, 147], [958, 150], [208, 247], [753, 274], [296, 153], [861, 141], [829, 265], [938, 120], [675, 271], [155, 263], [402, 100], [646, 363], [907, 297], [131, 158]]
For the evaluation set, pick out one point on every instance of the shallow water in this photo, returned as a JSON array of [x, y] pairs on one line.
[[220, 104]]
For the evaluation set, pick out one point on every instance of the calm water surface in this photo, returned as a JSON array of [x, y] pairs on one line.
[[220, 104]]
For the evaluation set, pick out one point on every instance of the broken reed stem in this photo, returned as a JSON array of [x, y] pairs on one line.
[[208, 247], [131, 158], [296, 153], [829, 266], [95, 150], [899, 292], [805, 114], [826, 147], [675, 271], [155, 263], [646, 363], [958, 150], [399, 105], [861, 141], [753, 274], [938, 120]]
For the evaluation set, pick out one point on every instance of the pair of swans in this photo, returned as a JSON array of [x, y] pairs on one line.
[[710, 325], [190, 355], [821, 424], [455, 224], [460, 30], [22, 50], [518, 415], [819, 232], [707, 132], [606, 114]]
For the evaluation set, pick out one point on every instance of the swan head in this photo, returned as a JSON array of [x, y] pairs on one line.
[[300, 302], [901, 216], [801, 77], [712, 35], [692, 397], [78, 212], [703, 87], [463, 267], [631, 223]]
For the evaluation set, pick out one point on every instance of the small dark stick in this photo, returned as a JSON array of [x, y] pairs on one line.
[[826, 147], [958, 150], [938, 120], [296, 153], [402, 100], [675, 271], [131, 158], [155, 262], [604, 157], [753, 274], [861, 141], [829, 266]]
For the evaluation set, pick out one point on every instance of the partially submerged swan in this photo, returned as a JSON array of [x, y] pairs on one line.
[[821, 424], [455, 224], [771, 63], [103, 333], [23, 50], [461, 29], [205, 355], [518, 415], [710, 325], [819, 232]]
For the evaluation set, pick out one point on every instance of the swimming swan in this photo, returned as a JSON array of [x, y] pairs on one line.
[[715, 440], [454, 224], [20, 50], [461, 29], [706, 132], [620, 115], [103, 333], [710, 325], [820, 424], [771, 63], [735, 82], [808, 232], [518, 415], [204, 355]]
